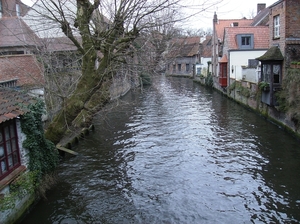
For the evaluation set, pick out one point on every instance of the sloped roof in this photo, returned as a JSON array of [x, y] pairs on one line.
[[206, 47], [25, 68], [10, 103], [224, 59], [262, 18], [260, 33], [184, 47], [14, 32], [276, 3], [59, 44], [273, 54], [222, 23]]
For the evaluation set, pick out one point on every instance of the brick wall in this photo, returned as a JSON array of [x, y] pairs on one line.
[[278, 9], [292, 19], [289, 41], [292, 50], [9, 8], [25, 68]]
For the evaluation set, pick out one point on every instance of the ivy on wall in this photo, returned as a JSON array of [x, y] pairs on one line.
[[43, 156]]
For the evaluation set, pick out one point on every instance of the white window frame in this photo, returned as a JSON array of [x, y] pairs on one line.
[[1, 8], [18, 10], [276, 24]]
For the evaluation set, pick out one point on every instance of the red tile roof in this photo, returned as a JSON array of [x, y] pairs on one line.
[[59, 44], [14, 32], [25, 68], [224, 59], [222, 23], [260, 33], [184, 47], [11, 102]]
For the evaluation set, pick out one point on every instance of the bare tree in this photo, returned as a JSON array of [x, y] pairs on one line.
[[103, 33], [84, 28]]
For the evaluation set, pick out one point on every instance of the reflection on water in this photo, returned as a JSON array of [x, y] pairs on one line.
[[178, 153]]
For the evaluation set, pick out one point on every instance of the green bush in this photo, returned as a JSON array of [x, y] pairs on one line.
[[263, 85]]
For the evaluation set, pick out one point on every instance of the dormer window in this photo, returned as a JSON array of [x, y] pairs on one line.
[[245, 41]]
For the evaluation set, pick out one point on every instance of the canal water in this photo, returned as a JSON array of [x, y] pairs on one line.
[[177, 152]]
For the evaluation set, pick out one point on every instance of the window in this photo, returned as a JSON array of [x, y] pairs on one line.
[[1, 9], [174, 68], [187, 67], [198, 71], [276, 74], [9, 150], [18, 9], [179, 67], [276, 24], [266, 73], [245, 41], [270, 70]]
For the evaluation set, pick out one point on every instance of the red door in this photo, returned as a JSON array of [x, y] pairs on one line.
[[223, 75]]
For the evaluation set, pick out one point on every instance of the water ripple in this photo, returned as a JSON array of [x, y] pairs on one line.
[[180, 154]]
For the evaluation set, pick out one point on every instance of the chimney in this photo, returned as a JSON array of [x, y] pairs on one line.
[[215, 20], [260, 7]]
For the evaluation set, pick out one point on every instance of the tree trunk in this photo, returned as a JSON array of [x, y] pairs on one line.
[[114, 41], [92, 90], [91, 93]]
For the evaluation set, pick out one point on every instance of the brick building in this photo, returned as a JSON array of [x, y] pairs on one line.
[[182, 55], [285, 30], [284, 45], [19, 68]]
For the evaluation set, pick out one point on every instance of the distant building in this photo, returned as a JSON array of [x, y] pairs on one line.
[[182, 56], [236, 45], [205, 51]]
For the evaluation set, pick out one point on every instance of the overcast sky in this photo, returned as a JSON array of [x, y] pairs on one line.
[[227, 9]]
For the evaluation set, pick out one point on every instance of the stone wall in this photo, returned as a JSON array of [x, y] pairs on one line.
[[122, 83], [278, 9], [248, 94]]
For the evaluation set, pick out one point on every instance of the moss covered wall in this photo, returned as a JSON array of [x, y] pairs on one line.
[[249, 95], [13, 215]]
